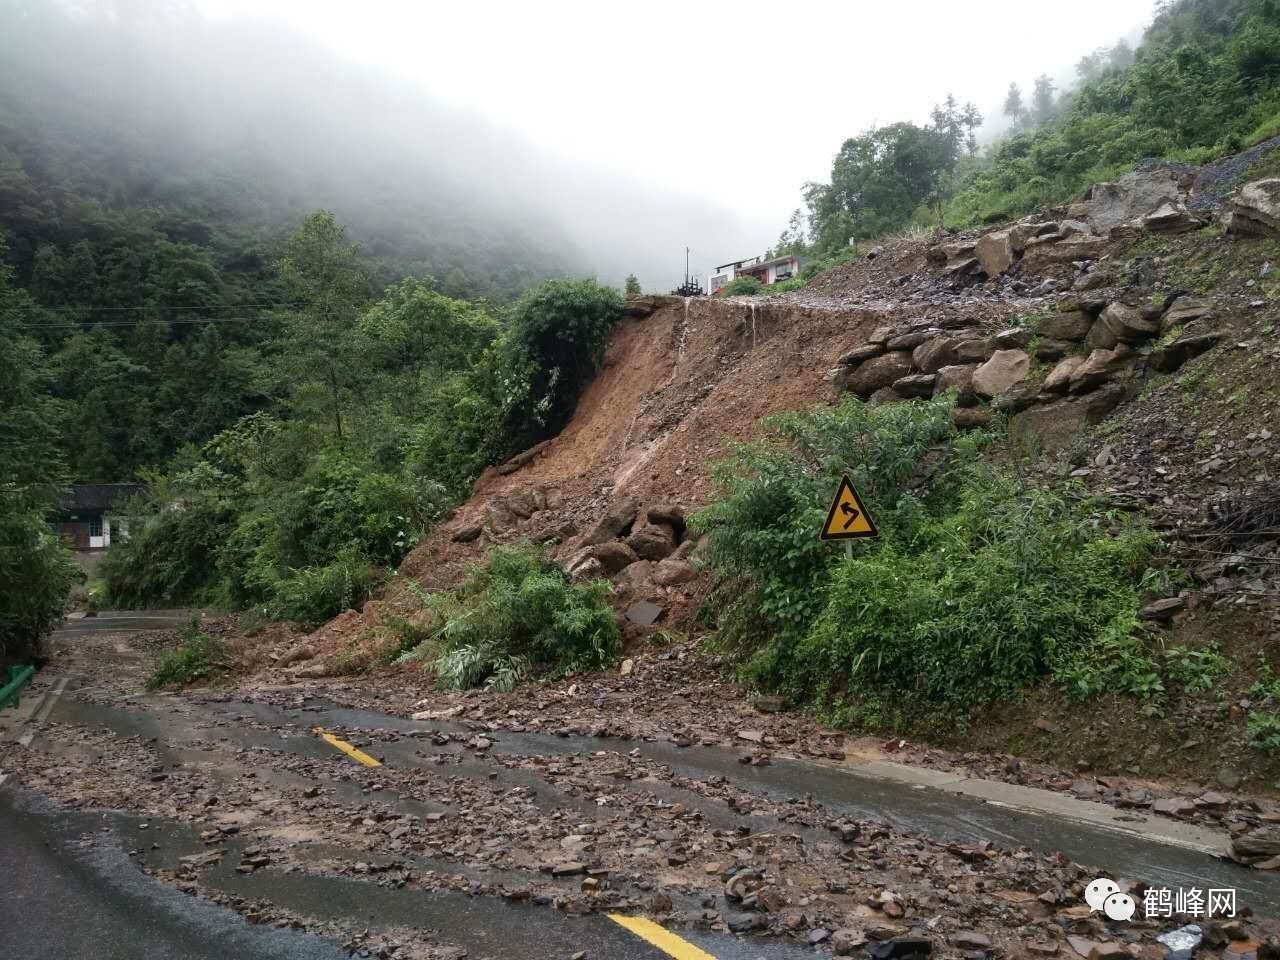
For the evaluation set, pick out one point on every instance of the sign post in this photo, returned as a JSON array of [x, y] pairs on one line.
[[848, 519]]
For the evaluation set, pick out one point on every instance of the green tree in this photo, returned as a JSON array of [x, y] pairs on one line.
[[323, 277], [632, 286], [878, 179], [1014, 108], [35, 570], [1043, 99]]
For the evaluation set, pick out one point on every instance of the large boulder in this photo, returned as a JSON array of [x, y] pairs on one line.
[[1185, 310], [1071, 325], [1059, 378], [613, 556], [879, 372], [655, 541], [1255, 210], [525, 503], [1121, 323], [932, 355], [1053, 426], [858, 354], [974, 351], [1018, 397], [639, 306], [996, 252], [498, 516], [916, 385], [970, 418], [1099, 367], [1014, 338], [958, 377], [613, 523], [1050, 252], [910, 339], [1170, 357], [885, 395], [668, 513], [1133, 196], [671, 572], [1002, 371], [1171, 218]]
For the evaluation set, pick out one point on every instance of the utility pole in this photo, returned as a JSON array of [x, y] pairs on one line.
[[686, 266]]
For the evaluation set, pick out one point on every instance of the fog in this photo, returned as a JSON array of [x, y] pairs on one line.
[[572, 139]]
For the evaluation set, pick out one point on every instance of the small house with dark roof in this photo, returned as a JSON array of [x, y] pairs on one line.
[[91, 515]]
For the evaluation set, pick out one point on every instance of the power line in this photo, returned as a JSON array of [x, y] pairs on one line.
[[134, 323], [268, 305]]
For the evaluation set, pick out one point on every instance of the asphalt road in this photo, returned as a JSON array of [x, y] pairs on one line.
[[125, 621], [66, 898], [72, 884]]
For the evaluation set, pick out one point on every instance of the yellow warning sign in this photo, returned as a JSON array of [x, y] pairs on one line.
[[848, 518]]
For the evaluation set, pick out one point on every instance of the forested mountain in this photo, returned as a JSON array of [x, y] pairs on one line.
[[152, 166]]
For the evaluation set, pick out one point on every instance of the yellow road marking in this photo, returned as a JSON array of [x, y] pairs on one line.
[[660, 937], [355, 754]]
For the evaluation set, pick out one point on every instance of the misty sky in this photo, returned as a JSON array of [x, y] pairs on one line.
[[736, 104]]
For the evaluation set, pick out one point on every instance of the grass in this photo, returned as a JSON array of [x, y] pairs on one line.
[[198, 657]]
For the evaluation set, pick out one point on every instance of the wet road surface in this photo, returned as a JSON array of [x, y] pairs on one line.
[[77, 885]]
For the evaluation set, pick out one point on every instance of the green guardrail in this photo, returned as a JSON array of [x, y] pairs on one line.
[[11, 692]]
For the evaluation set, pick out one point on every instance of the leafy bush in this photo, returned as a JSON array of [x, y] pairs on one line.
[[312, 595], [37, 573], [554, 344], [1262, 730], [784, 286], [1197, 670], [978, 586], [198, 657], [741, 287], [168, 558], [516, 616]]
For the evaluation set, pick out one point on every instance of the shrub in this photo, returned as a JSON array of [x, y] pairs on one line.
[[554, 345], [741, 287], [979, 584], [37, 573], [1263, 730], [632, 288], [168, 557], [514, 617], [338, 504], [312, 595], [1197, 670], [198, 657]]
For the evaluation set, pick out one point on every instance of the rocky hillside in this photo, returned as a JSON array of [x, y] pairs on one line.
[[1128, 339]]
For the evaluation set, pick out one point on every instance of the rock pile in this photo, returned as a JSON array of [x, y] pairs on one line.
[[1097, 347]]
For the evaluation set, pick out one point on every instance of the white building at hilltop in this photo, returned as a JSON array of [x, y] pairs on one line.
[[767, 272]]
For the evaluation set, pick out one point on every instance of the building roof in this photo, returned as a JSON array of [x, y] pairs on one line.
[[97, 496], [763, 264]]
